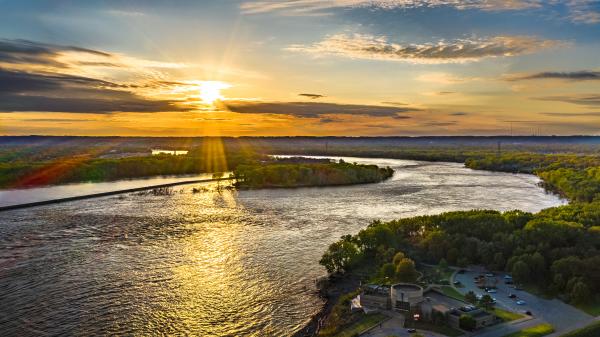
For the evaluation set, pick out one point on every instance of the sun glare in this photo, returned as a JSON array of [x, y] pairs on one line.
[[210, 91]]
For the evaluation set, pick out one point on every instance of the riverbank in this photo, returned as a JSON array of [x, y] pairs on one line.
[[332, 290]]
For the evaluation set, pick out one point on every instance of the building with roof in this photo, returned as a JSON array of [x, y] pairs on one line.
[[482, 318]]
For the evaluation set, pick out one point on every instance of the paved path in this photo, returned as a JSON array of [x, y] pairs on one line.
[[395, 327], [575, 327]]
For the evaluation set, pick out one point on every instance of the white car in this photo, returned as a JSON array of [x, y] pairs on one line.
[[492, 291], [520, 302]]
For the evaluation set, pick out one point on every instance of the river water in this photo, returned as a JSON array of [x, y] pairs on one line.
[[229, 263]]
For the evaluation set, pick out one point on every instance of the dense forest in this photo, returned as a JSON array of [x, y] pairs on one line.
[[576, 177], [277, 174], [85, 168]]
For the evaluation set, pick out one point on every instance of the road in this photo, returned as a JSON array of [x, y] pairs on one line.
[[561, 315], [394, 327]]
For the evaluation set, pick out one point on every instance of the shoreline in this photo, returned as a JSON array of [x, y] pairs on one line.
[[336, 286]]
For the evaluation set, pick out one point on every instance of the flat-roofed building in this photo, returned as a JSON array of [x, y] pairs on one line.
[[375, 296], [482, 317]]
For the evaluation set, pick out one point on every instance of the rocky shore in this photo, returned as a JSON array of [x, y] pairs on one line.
[[330, 289]]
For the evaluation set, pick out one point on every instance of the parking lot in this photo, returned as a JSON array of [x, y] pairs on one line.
[[555, 312]]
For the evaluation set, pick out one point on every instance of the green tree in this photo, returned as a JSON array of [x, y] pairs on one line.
[[471, 297], [580, 293], [398, 257], [466, 322], [406, 271], [486, 301], [443, 265], [388, 270], [521, 272], [340, 256]]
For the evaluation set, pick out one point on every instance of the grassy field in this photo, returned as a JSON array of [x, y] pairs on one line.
[[506, 316], [592, 330], [534, 331], [451, 292], [592, 309], [441, 329], [364, 323]]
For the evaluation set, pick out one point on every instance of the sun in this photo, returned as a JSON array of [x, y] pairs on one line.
[[210, 91]]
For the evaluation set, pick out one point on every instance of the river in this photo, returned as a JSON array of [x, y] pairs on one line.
[[229, 263]]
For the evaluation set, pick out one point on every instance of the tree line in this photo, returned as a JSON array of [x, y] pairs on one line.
[[276, 174]]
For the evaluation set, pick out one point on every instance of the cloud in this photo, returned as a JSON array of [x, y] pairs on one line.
[[314, 109], [360, 46], [36, 76], [308, 7], [577, 11], [58, 92], [395, 103], [584, 99], [312, 96], [583, 75], [572, 114], [24, 51], [581, 11]]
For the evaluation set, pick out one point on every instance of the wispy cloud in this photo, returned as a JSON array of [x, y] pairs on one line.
[[579, 99], [577, 11], [312, 96], [582, 11], [313, 109], [303, 7], [583, 75], [360, 46], [572, 114]]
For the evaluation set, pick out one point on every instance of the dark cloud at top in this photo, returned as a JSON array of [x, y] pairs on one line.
[[18, 81], [60, 92], [583, 75], [30, 52], [23, 91], [314, 109], [312, 96]]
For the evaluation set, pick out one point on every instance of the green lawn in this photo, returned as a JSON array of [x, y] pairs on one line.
[[506, 316], [592, 330], [364, 323], [441, 329], [451, 292], [534, 331], [592, 309]]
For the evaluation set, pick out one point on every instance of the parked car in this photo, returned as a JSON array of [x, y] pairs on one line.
[[411, 330], [489, 274], [512, 296], [508, 282], [521, 302], [456, 283], [528, 313], [507, 277], [492, 291]]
